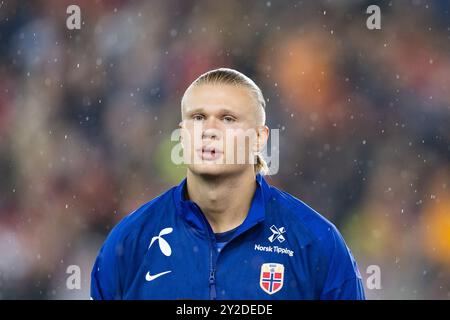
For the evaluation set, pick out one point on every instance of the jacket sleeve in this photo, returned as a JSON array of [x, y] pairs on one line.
[[106, 275], [343, 281], [351, 289]]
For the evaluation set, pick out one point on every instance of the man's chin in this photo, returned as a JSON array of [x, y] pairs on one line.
[[214, 170]]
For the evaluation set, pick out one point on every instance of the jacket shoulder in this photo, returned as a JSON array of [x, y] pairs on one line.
[[296, 212], [313, 229], [130, 226]]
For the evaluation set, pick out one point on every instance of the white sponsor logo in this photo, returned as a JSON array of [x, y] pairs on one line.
[[149, 277], [165, 249], [277, 234], [163, 244], [274, 249]]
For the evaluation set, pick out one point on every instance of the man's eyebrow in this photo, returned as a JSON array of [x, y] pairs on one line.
[[220, 111], [227, 111], [196, 110]]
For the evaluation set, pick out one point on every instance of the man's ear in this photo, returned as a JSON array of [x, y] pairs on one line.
[[262, 135], [180, 126]]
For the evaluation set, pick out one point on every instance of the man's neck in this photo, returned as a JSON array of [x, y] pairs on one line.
[[224, 200]]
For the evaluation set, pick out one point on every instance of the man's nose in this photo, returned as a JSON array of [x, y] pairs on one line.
[[211, 129]]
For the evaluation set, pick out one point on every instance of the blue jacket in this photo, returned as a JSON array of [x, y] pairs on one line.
[[283, 250]]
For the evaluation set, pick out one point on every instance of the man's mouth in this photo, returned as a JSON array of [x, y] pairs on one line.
[[209, 153]]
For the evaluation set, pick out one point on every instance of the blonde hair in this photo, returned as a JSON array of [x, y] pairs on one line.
[[234, 77]]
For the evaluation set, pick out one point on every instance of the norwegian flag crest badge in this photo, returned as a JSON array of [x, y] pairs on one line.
[[272, 277]]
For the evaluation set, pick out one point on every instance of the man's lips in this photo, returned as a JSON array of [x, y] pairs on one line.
[[209, 153]]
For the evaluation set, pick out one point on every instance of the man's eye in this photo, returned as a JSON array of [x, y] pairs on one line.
[[198, 117], [228, 119]]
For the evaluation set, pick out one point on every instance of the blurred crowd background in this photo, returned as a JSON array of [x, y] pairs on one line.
[[86, 117]]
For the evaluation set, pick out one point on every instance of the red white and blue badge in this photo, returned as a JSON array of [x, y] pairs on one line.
[[272, 277]]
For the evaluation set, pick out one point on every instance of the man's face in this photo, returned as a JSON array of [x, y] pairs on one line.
[[222, 129]]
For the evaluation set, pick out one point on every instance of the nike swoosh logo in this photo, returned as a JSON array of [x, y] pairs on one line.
[[149, 277]]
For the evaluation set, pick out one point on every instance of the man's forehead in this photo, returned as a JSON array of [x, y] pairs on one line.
[[213, 96]]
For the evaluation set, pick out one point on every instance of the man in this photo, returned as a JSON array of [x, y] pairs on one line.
[[224, 232]]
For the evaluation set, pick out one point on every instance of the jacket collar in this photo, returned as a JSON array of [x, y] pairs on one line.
[[192, 213]]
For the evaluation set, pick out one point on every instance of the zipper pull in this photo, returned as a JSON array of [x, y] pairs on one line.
[[212, 285]]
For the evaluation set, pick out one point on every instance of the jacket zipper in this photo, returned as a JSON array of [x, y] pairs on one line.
[[213, 264], [212, 259], [212, 276]]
